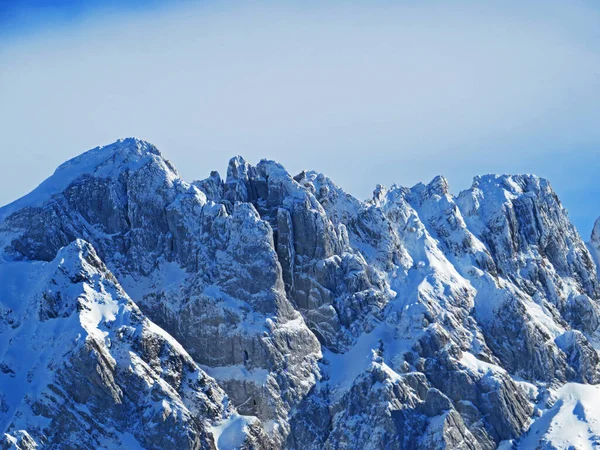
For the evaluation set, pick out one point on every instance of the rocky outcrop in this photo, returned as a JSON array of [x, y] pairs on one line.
[[91, 370], [269, 311], [208, 276]]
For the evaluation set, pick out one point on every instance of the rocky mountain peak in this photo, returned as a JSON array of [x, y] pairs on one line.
[[271, 311], [107, 162], [515, 184], [438, 186], [237, 169]]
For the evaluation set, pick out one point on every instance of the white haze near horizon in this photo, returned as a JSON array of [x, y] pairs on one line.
[[379, 92]]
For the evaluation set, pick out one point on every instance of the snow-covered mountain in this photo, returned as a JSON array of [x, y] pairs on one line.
[[262, 310]]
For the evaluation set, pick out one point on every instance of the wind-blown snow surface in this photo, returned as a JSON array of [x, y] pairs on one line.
[[572, 420], [269, 311]]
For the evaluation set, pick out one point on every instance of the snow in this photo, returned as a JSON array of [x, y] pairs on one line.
[[250, 320], [544, 319], [476, 365], [31, 345], [572, 422], [343, 369], [276, 173], [123, 440], [441, 274], [168, 276], [101, 309], [230, 433], [17, 281], [103, 162], [489, 298], [130, 442], [89, 306], [339, 205], [238, 372], [28, 348]]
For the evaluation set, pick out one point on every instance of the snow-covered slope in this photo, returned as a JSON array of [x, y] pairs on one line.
[[281, 312], [82, 366], [571, 419]]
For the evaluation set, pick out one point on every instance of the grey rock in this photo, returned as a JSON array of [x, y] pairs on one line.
[[402, 322]]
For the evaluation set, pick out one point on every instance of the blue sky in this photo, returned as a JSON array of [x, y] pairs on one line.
[[366, 92]]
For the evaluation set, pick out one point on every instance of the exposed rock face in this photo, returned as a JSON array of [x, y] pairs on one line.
[[83, 366], [271, 311], [595, 242], [208, 276]]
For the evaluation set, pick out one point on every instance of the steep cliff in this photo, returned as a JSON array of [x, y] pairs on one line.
[[270, 311]]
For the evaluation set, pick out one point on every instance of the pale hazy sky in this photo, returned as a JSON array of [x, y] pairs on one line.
[[366, 92]]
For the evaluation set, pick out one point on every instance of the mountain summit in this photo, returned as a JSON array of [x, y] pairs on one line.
[[264, 310]]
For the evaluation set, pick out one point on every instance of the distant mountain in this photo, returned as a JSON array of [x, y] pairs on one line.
[[265, 311]]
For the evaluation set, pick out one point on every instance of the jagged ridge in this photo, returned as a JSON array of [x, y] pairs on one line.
[[417, 319]]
